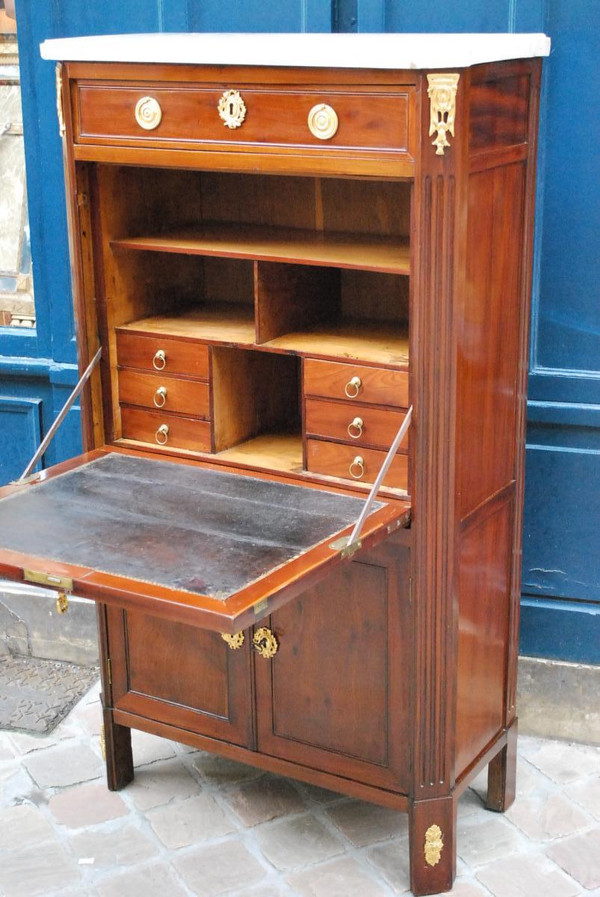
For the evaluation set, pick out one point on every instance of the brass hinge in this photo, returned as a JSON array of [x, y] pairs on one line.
[[62, 583], [109, 671]]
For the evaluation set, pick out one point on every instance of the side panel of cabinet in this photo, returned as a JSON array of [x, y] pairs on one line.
[[180, 675], [335, 696]]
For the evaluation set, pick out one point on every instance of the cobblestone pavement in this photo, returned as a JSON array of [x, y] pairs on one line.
[[193, 824]]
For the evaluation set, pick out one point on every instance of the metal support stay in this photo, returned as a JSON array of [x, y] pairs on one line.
[[61, 416], [352, 543]]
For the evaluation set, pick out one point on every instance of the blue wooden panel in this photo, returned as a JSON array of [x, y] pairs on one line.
[[561, 546], [560, 630], [19, 435], [240, 15], [568, 315], [452, 16]]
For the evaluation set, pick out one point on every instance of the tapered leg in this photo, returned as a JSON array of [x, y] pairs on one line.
[[502, 775], [432, 840], [119, 758]]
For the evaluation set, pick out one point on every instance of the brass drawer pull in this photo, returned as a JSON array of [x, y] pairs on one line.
[[234, 641], [160, 396], [159, 362], [162, 434], [355, 429], [322, 121], [265, 643], [353, 387], [148, 113], [358, 465]]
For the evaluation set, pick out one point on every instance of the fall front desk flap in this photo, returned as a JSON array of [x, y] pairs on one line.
[[216, 549]]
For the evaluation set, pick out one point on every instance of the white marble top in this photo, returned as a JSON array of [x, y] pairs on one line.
[[371, 51]]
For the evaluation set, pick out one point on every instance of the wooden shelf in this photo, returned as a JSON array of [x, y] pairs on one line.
[[356, 340], [277, 451], [220, 323], [304, 247]]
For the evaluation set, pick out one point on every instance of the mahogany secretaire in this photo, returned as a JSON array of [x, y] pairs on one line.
[[285, 247]]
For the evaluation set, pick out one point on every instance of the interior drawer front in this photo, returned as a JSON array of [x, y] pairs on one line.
[[165, 393], [180, 356], [356, 424], [354, 463], [189, 114], [181, 433], [355, 383]]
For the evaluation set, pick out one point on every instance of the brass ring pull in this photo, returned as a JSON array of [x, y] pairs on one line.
[[148, 113], [355, 429], [162, 434], [265, 643], [358, 465], [353, 387], [160, 396], [234, 641], [159, 362]]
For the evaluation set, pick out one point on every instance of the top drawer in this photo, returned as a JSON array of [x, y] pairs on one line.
[[187, 115], [355, 383], [154, 352]]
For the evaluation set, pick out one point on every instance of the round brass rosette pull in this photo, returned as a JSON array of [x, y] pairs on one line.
[[148, 113], [355, 429], [162, 434], [357, 469], [234, 641], [159, 362], [322, 121], [353, 387], [265, 643], [160, 396]]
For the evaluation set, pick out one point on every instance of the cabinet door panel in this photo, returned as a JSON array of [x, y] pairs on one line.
[[181, 675], [335, 696]]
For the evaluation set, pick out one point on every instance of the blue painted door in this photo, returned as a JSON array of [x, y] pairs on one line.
[[561, 605]]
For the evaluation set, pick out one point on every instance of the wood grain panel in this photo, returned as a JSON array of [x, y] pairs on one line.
[[484, 586], [488, 340], [190, 678], [499, 113], [334, 693]]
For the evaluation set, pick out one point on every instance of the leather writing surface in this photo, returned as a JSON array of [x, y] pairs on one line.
[[175, 525]]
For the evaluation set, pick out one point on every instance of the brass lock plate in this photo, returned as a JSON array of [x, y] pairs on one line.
[[232, 109]]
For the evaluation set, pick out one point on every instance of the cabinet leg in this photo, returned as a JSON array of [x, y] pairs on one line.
[[432, 842], [502, 775], [119, 758]]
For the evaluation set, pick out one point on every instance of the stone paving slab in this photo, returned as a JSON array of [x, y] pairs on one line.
[[35, 695], [194, 825]]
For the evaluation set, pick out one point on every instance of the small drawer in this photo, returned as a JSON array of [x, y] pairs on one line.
[[355, 424], [355, 383], [153, 352], [165, 393], [354, 463], [168, 430], [188, 115]]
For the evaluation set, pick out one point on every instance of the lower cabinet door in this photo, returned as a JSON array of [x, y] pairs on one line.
[[181, 675], [335, 696]]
